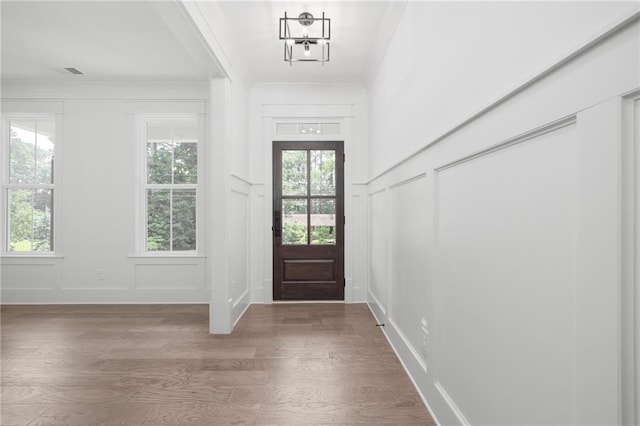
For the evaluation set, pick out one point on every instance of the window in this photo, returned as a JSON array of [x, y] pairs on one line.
[[29, 184], [170, 187]]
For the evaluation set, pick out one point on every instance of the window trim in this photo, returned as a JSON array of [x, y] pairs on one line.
[[142, 185], [6, 185]]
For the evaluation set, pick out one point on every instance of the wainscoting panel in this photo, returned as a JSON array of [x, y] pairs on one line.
[[238, 246], [357, 257], [16, 276], [378, 249], [239, 243], [505, 280], [168, 277], [410, 263]]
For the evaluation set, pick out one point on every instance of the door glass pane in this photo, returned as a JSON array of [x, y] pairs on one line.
[[323, 221], [294, 221], [294, 172], [323, 166]]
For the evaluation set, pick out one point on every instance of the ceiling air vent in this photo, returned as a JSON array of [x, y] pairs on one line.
[[73, 70]]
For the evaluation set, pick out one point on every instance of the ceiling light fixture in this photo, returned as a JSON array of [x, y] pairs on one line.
[[298, 43]]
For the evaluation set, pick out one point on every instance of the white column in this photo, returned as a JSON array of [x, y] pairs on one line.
[[217, 204]]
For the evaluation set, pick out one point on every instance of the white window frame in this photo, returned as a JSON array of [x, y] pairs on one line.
[[6, 185], [143, 186]]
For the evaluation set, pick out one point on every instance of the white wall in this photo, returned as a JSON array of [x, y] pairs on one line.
[[298, 103], [99, 193], [494, 216], [449, 60]]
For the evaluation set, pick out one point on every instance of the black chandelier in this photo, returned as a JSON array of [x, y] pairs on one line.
[[305, 43]]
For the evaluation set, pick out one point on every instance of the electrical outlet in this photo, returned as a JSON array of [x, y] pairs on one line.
[[100, 274]]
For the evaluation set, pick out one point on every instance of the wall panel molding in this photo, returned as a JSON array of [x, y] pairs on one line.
[[373, 300], [168, 277], [408, 180], [451, 403], [239, 306], [524, 137], [408, 344], [630, 262], [34, 276]]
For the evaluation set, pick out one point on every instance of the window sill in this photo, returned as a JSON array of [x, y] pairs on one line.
[[30, 256]]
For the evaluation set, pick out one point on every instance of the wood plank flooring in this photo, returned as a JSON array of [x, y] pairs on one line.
[[284, 364]]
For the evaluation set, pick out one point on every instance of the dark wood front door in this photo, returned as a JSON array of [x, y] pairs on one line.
[[308, 221]]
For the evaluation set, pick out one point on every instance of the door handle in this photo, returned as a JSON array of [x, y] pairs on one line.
[[277, 230]]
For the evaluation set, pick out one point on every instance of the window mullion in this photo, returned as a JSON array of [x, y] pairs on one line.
[[8, 224], [173, 161], [171, 219], [35, 154], [32, 218]]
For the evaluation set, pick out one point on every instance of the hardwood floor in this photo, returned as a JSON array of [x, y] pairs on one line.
[[289, 364]]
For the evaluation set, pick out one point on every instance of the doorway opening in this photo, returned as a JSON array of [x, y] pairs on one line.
[[308, 221]]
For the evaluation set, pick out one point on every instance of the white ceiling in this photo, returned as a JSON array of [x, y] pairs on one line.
[[360, 33], [109, 40], [135, 40]]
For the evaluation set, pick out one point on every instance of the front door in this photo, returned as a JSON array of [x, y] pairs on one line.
[[308, 221]]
